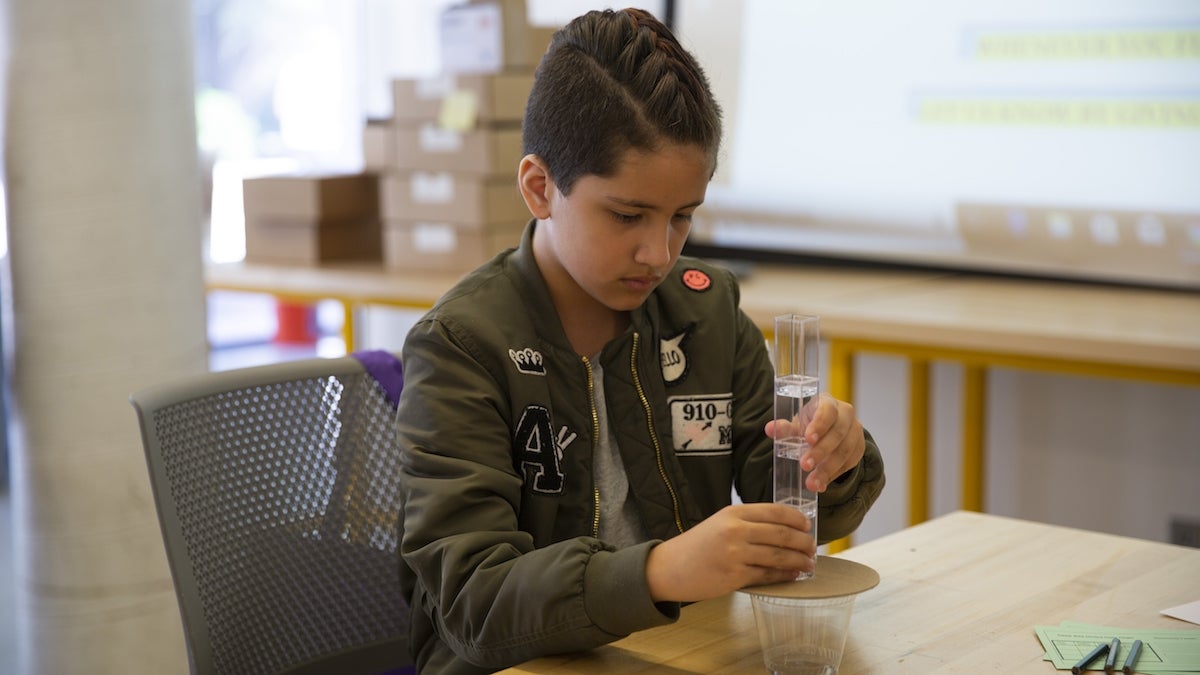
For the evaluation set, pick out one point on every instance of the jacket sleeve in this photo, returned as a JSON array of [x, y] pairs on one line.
[[844, 504], [841, 508], [494, 599]]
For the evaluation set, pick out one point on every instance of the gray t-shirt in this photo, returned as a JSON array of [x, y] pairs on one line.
[[620, 523]]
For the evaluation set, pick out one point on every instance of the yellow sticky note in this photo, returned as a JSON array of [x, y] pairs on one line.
[[460, 111]]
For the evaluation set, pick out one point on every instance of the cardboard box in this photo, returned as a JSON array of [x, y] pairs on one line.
[[468, 199], [486, 36], [378, 146], [496, 98], [311, 197], [491, 36], [443, 246], [537, 41], [490, 151], [289, 240]]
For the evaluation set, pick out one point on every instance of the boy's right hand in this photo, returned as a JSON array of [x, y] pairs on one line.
[[740, 545]]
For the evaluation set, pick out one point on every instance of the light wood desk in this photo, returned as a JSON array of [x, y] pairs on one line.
[[979, 322], [958, 594]]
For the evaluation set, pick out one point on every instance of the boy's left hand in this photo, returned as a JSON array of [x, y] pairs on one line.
[[835, 439]]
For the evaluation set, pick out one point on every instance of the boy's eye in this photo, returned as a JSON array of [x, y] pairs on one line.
[[624, 217]]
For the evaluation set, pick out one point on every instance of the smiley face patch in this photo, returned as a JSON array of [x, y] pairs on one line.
[[696, 280]]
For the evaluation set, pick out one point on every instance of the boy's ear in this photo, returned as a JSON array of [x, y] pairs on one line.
[[535, 184]]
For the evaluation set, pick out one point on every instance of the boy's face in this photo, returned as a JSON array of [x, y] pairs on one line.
[[614, 239]]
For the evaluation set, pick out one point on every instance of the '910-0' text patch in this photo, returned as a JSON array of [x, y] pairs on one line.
[[702, 425]]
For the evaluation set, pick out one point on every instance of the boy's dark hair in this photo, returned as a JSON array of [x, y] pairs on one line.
[[612, 81]]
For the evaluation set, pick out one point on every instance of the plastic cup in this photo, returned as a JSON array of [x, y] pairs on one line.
[[802, 636], [802, 625]]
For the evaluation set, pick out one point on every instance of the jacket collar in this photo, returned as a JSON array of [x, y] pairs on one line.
[[528, 280]]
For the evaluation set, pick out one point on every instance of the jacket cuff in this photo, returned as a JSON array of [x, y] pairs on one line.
[[616, 594], [844, 486], [845, 502]]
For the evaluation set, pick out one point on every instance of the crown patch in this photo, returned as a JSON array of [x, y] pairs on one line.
[[528, 361]]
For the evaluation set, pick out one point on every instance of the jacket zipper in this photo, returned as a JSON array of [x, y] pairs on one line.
[[591, 386], [658, 454]]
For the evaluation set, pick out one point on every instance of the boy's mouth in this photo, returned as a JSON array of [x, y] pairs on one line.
[[641, 283]]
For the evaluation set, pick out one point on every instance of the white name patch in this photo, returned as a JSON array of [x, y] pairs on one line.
[[702, 425]]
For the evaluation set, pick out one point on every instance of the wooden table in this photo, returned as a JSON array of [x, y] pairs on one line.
[[978, 322], [958, 594]]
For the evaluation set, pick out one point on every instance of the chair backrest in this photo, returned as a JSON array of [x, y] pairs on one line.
[[277, 490]]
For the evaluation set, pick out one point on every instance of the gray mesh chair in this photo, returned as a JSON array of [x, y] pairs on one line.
[[276, 489]]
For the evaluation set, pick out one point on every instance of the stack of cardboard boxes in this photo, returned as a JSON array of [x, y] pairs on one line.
[[312, 218], [447, 158], [438, 190]]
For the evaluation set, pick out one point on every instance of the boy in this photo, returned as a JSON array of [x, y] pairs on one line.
[[577, 410]]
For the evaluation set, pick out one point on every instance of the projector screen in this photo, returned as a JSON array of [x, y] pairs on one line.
[[1056, 138]]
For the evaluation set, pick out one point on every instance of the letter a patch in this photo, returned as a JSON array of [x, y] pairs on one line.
[[537, 453]]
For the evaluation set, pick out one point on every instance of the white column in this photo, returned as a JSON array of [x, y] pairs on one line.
[[107, 297]]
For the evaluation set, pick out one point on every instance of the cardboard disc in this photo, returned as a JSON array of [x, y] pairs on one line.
[[833, 577]]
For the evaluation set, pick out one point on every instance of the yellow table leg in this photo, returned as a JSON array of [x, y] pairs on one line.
[[918, 441], [841, 386], [974, 403], [841, 371], [348, 325]]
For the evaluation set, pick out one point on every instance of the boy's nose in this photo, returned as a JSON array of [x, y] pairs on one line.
[[655, 248]]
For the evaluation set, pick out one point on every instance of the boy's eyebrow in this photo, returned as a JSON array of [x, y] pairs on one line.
[[647, 205]]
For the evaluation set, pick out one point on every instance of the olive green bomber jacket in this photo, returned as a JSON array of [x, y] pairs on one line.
[[498, 425]]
